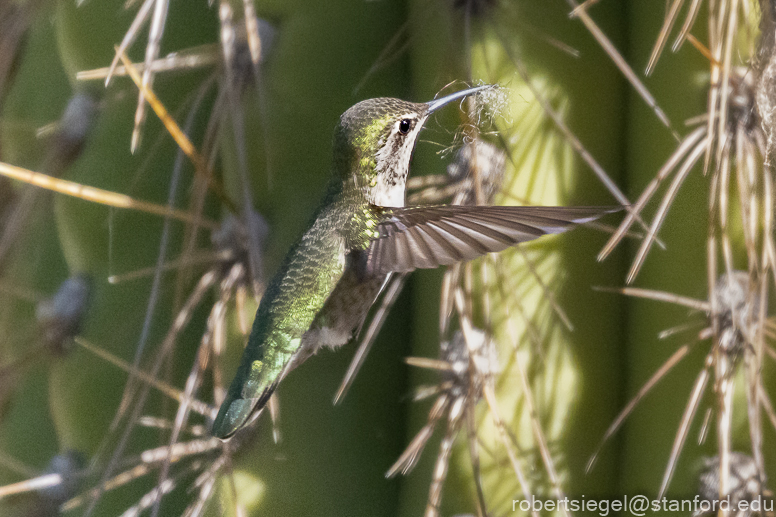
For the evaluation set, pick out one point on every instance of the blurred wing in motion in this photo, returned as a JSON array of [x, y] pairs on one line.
[[428, 237]]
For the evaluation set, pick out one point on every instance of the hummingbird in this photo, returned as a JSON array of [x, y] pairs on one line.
[[360, 235]]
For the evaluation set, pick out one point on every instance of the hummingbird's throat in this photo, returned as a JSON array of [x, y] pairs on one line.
[[387, 191], [392, 165]]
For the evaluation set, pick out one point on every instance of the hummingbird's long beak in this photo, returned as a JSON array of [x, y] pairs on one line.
[[438, 103]]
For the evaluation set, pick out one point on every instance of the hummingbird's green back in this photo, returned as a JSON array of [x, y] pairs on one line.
[[297, 292]]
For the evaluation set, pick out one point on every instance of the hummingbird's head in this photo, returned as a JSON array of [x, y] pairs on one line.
[[373, 145], [374, 140]]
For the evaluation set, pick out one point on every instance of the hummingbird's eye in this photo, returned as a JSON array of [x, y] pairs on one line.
[[404, 126]]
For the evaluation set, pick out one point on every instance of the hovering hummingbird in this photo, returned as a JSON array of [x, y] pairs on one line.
[[360, 235]]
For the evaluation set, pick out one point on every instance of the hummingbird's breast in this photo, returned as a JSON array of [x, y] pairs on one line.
[[343, 313]]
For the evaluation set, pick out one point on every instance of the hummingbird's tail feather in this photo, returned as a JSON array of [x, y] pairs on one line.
[[428, 237], [237, 412]]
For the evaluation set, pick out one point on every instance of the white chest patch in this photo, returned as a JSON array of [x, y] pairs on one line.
[[387, 194], [313, 340], [325, 336]]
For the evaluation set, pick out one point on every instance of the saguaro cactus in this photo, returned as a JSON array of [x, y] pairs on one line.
[[520, 361]]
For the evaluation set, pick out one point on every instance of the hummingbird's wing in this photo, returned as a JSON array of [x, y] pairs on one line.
[[428, 237]]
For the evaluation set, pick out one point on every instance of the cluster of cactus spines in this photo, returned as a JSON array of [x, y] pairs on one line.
[[732, 139], [737, 144], [744, 485], [512, 296], [734, 316], [59, 319], [191, 452], [462, 376]]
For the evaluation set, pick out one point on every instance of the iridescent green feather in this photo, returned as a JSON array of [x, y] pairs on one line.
[[296, 294]]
